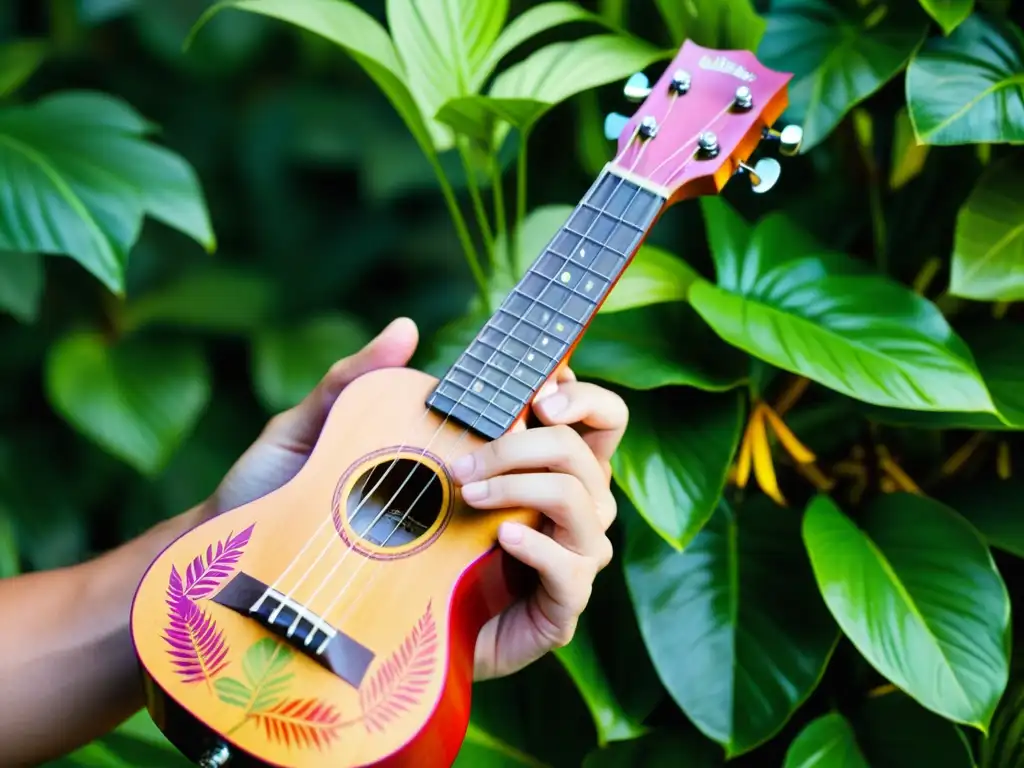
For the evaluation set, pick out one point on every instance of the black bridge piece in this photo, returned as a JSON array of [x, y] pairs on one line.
[[342, 655]]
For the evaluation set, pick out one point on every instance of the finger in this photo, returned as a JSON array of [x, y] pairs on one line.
[[561, 498], [566, 580], [300, 426], [599, 409], [556, 449]]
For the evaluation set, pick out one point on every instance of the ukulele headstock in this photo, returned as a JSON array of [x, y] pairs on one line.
[[700, 122]]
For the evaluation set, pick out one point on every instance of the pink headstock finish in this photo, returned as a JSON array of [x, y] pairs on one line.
[[700, 122]]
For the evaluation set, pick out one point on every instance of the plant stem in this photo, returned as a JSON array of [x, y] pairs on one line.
[[478, 203], [499, 205], [472, 257], [513, 250]]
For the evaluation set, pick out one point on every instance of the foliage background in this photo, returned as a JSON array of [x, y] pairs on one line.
[[760, 620]]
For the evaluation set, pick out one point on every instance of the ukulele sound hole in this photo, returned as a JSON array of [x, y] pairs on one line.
[[395, 503]]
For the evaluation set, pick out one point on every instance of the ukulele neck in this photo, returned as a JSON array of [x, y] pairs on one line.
[[540, 321]]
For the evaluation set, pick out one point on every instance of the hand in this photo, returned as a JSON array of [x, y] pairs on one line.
[[570, 485], [288, 439]]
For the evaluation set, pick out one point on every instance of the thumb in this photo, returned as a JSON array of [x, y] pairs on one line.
[[392, 348]]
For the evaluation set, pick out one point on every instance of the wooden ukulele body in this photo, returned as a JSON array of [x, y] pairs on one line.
[[391, 687]]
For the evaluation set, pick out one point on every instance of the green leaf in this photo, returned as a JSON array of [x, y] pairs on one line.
[[827, 742], [675, 456], [948, 13], [641, 349], [993, 508], [908, 156], [289, 362], [998, 348], [916, 591], [263, 664], [894, 731], [482, 750], [138, 400], [1003, 747], [526, 26], [733, 623], [525, 92], [80, 177], [358, 34], [675, 748], [580, 659], [653, 277], [839, 53], [442, 43], [966, 88], [714, 24], [22, 277], [218, 298], [232, 691], [18, 61], [784, 300], [988, 253]]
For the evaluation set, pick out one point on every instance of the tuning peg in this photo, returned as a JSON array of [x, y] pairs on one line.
[[637, 88], [613, 125], [764, 174], [790, 138]]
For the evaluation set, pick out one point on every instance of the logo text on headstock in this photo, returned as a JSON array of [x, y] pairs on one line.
[[729, 67]]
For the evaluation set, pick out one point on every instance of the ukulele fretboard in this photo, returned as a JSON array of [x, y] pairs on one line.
[[526, 338]]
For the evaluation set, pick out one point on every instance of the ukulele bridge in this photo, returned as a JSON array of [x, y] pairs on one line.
[[301, 628]]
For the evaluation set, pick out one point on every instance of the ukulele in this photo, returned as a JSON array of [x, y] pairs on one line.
[[333, 621]]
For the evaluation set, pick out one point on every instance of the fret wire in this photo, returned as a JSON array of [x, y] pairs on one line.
[[519, 362], [511, 375], [499, 387]]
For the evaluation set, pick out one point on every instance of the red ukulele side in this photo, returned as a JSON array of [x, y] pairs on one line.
[[333, 621]]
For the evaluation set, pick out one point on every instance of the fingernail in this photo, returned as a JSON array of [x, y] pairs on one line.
[[547, 390], [463, 467], [475, 491], [553, 405], [510, 533]]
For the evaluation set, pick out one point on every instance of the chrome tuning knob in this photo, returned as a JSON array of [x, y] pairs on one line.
[[790, 139], [614, 124], [637, 88]]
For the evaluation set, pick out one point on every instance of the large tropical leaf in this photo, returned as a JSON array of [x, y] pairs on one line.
[[80, 175], [525, 92], [988, 254], [137, 400], [22, 277], [827, 742], [359, 35], [734, 623], [675, 456], [654, 276], [969, 87], [642, 349], [839, 53], [442, 44], [712, 23], [781, 298], [949, 13], [915, 589]]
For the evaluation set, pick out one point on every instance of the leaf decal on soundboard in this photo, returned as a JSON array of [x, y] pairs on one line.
[[204, 576], [302, 722], [197, 646], [265, 680], [402, 679]]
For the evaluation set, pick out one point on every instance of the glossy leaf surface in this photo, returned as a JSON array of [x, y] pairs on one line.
[[967, 88], [988, 254], [674, 457], [839, 53], [81, 175], [783, 299], [655, 276], [734, 623], [828, 741], [138, 401], [916, 591], [948, 13]]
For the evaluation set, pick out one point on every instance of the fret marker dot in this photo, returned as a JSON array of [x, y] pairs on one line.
[[544, 341], [583, 253], [478, 387], [589, 286], [566, 277], [545, 316], [520, 371], [529, 357], [560, 327]]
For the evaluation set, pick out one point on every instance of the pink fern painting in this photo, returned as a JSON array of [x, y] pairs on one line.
[[400, 681], [196, 644]]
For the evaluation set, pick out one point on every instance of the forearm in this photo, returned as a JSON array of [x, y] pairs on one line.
[[67, 668]]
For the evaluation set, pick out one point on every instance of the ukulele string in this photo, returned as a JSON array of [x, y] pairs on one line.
[[529, 348], [671, 157], [300, 612], [412, 506]]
